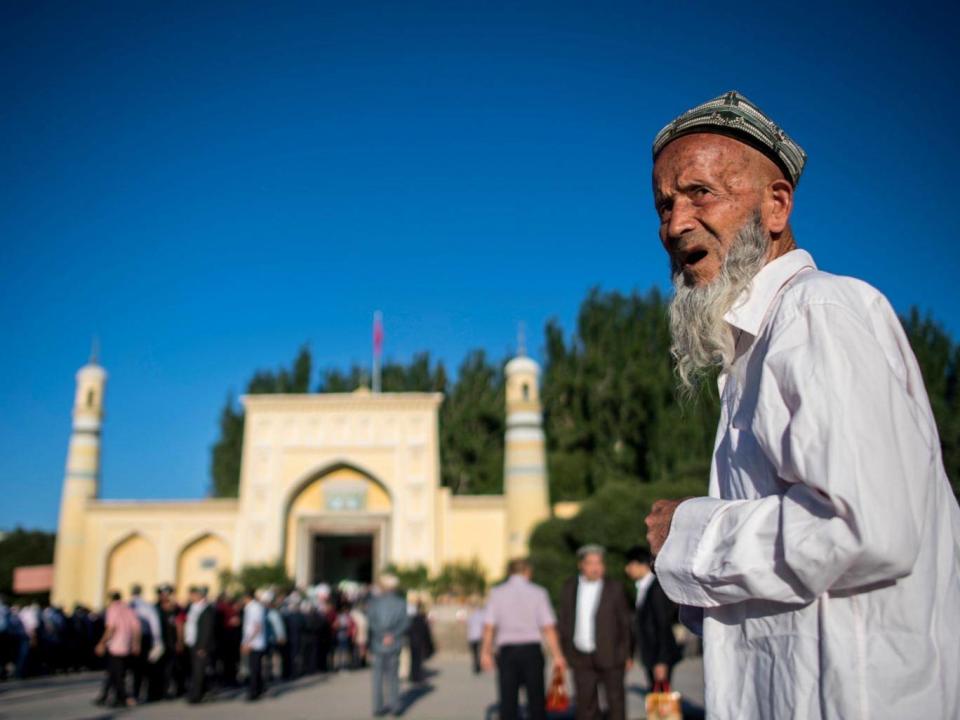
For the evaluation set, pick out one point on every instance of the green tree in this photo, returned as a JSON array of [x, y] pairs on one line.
[[337, 381], [420, 375], [23, 547], [226, 453], [255, 577], [227, 450], [613, 518], [612, 410], [460, 579], [411, 577], [939, 359], [472, 425]]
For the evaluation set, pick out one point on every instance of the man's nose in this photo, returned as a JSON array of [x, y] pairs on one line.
[[682, 219]]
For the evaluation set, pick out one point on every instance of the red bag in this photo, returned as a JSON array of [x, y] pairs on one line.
[[662, 703], [557, 698]]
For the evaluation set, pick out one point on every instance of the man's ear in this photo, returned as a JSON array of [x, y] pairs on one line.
[[777, 205]]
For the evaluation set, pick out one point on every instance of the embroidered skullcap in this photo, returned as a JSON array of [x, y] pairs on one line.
[[733, 115]]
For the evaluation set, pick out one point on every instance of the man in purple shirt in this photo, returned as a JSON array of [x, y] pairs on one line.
[[518, 615]]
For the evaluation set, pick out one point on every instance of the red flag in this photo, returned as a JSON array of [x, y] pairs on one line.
[[378, 333]]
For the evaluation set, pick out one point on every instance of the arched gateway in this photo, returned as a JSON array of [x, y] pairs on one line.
[[337, 527]]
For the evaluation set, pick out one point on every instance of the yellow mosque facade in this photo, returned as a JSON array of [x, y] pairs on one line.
[[336, 486]]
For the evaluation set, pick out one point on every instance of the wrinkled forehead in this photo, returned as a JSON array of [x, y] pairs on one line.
[[708, 157]]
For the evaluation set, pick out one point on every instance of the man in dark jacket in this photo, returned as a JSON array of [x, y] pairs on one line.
[[421, 644], [654, 619], [200, 637], [594, 629], [162, 678]]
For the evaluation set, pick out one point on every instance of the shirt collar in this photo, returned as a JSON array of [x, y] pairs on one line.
[[645, 581], [590, 583], [751, 307]]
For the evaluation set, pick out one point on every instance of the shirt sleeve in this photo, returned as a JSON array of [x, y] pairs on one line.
[[153, 619], [838, 424], [545, 616], [490, 611]]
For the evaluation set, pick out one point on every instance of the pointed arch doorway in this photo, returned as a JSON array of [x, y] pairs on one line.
[[338, 527]]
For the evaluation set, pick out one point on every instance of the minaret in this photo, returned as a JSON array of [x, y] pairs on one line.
[[81, 482], [525, 460]]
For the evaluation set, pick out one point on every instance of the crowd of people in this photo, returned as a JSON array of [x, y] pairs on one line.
[[37, 638], [157, 649]]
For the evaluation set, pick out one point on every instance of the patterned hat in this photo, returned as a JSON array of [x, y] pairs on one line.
[[733, 115]]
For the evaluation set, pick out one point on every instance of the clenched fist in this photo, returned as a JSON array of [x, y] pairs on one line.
[[658, 523]]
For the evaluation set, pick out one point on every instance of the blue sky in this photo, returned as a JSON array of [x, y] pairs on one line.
[[206, 186]]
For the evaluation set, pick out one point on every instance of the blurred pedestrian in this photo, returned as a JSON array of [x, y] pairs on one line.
[[254, 642], [421, 643], [120, 643], [276, 634], [361, 636], [199, 635], [228, 639], [518, 617], [144, 664], [167, 613], [343, 631], [475, 634], [387, 615], [595, 628], [654, 617]]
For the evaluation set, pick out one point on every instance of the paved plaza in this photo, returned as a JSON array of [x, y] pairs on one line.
[[451, 692]]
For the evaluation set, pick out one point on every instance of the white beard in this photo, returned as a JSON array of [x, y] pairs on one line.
[[701, 337]]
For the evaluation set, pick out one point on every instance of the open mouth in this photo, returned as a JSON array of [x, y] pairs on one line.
[[692, 257]]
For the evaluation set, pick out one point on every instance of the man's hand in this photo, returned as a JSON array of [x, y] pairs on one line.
[[245, 649], [486, 660], [660, 672], [559, 663], [101, 649], [388, 639], [658, 523]]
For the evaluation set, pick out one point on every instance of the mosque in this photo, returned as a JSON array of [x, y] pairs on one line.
[[336, 486]]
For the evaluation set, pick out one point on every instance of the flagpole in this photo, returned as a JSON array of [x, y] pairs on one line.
[[377, 348]]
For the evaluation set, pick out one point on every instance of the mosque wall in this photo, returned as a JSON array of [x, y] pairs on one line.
[[155, 542], [477, 529]]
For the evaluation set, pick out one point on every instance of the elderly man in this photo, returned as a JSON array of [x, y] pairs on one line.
[[594, 628], [824, 563], [388, 624]]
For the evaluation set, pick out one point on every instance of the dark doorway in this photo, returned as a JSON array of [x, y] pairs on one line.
[[342, 557]]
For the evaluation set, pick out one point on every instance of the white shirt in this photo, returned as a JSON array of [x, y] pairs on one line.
[[584, 631], [30, 617], [190, 625], [826, 557], [148, 613], [643, 587], [254, 631], [362, 626], [475, 626], [276, 624]]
